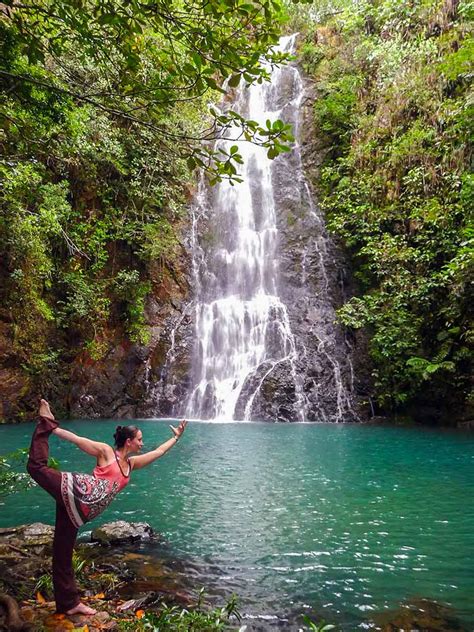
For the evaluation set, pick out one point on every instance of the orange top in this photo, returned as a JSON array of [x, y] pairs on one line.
[[86, 496], [113, 473]]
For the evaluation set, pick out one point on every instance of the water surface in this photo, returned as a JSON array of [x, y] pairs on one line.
[[345, 520]]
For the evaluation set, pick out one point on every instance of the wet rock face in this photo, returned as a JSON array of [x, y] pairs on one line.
[[132, 381], [270, 392], [135, 380], [280, 296], [318, 383], [170, 366], [312, 284], [314, 280], [119, 384], [120, 532], [112, 387], [330, 286]]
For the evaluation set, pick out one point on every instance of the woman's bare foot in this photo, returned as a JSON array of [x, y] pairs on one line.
[[45, 410], [81, 608]]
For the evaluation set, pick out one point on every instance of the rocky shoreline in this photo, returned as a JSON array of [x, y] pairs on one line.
[[107, 570]]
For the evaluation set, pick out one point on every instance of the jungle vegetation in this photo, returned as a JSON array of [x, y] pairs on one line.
[[394, 114], [106, 109]]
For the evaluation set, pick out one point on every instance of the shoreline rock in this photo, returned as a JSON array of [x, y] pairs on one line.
[[121, 532]]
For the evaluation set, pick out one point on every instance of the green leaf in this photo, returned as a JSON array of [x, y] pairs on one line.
[[234, 80], [198, 60]]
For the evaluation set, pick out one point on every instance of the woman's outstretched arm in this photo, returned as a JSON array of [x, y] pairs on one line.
[[94, 448], [101, 451], [143, 460]]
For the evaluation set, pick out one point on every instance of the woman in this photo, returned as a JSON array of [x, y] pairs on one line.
[[82, 497]]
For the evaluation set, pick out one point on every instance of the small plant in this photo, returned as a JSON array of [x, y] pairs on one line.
[[317, 627], [10, 480], [78, 564], [107, 582], [44, 585], [176, 619]]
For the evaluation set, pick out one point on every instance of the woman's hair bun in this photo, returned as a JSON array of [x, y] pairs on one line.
[[122, 433]]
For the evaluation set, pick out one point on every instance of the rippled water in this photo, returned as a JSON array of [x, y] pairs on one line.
[[345, 520]]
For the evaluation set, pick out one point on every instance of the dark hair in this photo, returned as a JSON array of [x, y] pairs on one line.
[[122, 433]]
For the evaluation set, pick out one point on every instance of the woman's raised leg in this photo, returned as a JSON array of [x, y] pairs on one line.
[[47, 477]]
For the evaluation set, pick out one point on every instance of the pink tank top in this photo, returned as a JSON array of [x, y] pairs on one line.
[[113, 473], [86, 496]]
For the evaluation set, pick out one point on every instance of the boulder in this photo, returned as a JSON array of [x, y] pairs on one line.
[[35, 537], [120, 532], [37, 533]]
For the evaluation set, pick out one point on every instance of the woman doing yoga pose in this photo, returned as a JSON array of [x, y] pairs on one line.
[[82, 497]]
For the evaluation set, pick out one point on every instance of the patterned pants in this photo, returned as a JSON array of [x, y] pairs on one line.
[[66, 593]]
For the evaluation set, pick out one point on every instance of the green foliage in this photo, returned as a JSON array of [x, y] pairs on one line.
[[137, 62], [84, 300], [159, 240], [310, 55], [44, 585], [317, 627], [105, 112], [11, 480], [105, 582], [133, 293], [48, 359], [426, 368], [395, 112], [334, 113], [177, 619]]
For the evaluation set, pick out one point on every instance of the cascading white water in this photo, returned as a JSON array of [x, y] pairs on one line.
[[241, 322], [267, 280]]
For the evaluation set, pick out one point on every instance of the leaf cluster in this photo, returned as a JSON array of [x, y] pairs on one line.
[[137, 61], [11, 480]]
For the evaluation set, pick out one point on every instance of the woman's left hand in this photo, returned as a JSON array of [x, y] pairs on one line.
[[180, 429]]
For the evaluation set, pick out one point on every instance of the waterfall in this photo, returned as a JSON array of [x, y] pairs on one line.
[[265, 341]]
